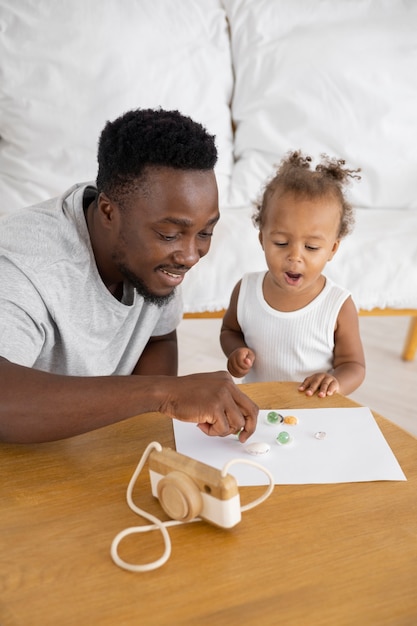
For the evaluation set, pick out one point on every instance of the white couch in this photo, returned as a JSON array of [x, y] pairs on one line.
[[266, 77]]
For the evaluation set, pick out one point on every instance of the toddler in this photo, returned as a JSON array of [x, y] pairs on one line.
[[290, 322]]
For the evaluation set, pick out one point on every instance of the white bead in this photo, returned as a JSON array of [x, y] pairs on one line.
[[256, 448]]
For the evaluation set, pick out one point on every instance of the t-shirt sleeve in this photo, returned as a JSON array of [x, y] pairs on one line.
[[22, 316]]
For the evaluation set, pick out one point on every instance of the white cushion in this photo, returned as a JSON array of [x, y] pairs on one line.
[[235, 249], [377, 262], [335, 76], [68, 67]]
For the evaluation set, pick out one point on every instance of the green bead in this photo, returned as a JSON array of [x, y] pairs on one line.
[[274, 418], [283, 437]]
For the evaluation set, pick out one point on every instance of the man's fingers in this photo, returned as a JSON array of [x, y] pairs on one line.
[[249, 428], [215, 402], [232, 422]]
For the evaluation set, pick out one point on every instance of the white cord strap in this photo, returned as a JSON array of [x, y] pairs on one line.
[[267, 492], [157, 524]]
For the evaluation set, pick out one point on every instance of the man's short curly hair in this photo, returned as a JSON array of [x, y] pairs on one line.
[[295, 175], [150, 137]]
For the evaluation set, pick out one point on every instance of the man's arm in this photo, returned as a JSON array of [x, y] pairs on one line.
[[160, 356], [37, 406]]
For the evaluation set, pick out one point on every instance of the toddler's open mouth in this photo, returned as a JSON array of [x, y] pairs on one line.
[[292, 277]]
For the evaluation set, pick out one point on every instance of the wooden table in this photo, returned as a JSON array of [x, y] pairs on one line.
[[310, 555]]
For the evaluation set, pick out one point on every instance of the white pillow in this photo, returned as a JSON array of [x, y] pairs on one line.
[[68, 67], [235, 250], [335, 76], [377, 263]]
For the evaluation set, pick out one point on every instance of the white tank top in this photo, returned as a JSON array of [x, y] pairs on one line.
[[288, 345]]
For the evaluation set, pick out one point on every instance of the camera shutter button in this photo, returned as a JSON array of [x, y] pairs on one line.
[[179, 496]]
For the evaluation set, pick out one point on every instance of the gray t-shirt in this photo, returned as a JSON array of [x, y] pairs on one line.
[[56, 314]]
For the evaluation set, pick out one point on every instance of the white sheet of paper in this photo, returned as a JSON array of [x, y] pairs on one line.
[[354, 449]]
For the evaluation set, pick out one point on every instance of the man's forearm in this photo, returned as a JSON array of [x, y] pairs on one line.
[[37, 406]]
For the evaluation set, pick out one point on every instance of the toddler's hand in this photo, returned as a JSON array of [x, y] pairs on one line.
[[323, 383], [240, 361]]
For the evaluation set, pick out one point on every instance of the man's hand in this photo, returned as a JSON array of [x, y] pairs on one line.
[[240, 362], [214, 402], [30, 397]]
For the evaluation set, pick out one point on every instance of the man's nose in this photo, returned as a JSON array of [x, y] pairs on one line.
[[188, 254]]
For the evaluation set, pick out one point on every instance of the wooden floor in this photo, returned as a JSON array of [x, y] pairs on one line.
[[390, 387]]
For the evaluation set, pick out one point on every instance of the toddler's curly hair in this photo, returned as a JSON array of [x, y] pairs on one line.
[[295, 175]]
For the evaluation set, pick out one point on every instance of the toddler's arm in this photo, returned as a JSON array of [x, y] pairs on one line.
[[348, 361], [240, 356]]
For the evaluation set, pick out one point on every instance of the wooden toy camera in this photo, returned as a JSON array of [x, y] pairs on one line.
[[187, 488]]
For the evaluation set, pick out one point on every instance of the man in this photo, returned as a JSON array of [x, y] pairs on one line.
[[89, 290]]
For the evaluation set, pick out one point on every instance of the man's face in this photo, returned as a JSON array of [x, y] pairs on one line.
[[164, 229]]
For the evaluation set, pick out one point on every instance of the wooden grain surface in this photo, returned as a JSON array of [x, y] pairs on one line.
[[310, 555]]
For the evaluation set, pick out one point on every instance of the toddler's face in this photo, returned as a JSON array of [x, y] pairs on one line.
[[299, 236]]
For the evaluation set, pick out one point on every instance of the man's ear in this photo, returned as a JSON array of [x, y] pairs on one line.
[[334, 249], [105, 208]]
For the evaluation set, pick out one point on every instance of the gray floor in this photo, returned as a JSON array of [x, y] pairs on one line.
[[390, 387]]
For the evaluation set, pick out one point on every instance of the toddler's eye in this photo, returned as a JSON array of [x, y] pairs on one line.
[[312, 247]]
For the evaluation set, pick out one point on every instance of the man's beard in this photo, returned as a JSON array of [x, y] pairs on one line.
[[142, 289]]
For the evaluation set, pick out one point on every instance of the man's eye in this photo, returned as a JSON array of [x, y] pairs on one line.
[[205, 235], [167, 237]]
